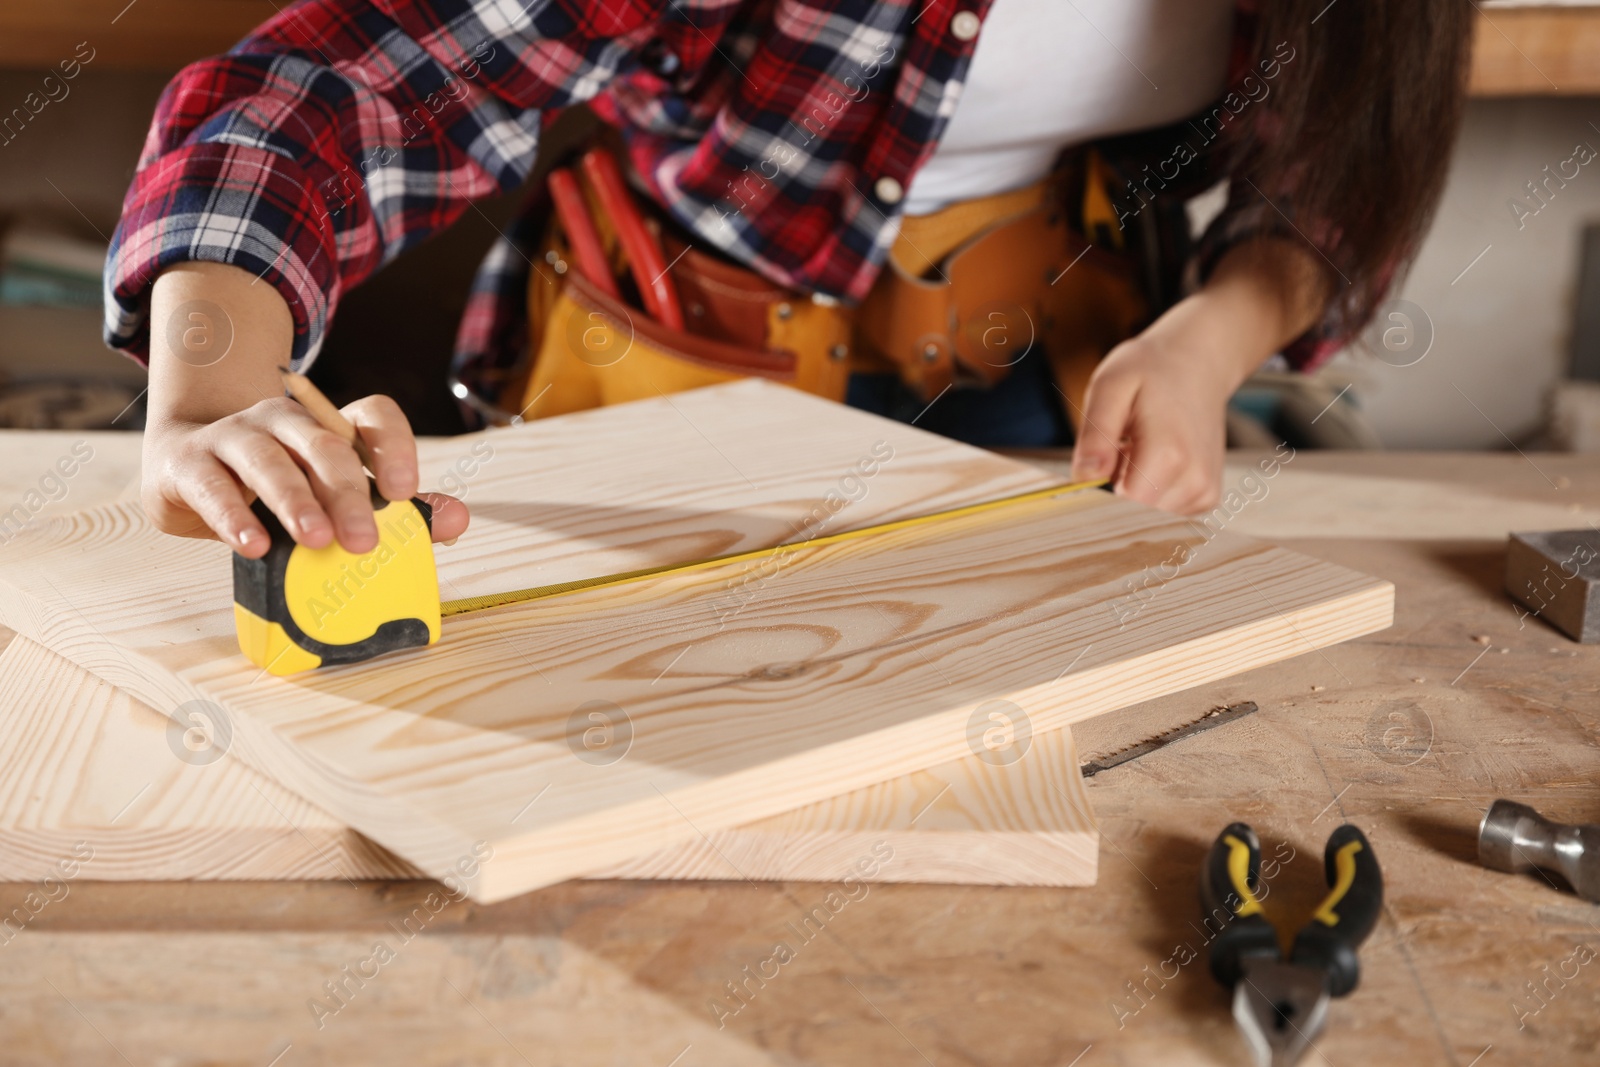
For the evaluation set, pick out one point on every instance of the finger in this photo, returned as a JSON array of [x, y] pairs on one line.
[[1184, 498], [1171, 472], [173, 516], [450, 516], [1154, 473], [211, 493], [1106, 408], [387, 435], [263, 463], [334, 472], [1197, 482], [1204, 493]]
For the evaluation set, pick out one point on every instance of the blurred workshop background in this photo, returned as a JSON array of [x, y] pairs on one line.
[[1492, 343]]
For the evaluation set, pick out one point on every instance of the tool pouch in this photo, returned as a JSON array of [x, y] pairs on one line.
[[970, 290], [593, 350], [589, 349]]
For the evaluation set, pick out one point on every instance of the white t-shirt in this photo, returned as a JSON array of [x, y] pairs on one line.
[[1047, 74]]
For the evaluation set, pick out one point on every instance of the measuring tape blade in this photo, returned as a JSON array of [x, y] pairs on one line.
[[543, 592]]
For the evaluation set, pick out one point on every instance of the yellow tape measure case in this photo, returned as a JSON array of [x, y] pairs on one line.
[[299, 608]]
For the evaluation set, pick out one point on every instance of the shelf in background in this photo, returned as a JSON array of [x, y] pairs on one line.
[[141, 35], [1537, 51], [1521, 51]]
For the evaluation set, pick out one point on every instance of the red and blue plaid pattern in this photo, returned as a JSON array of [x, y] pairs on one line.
[[344, 131]]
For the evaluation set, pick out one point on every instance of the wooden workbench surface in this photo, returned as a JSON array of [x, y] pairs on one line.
[[1409, 733]]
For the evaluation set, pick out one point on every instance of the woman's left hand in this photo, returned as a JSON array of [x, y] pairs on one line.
[[1154, 418]]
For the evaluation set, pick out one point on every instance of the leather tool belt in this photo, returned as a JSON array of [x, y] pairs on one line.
[[967, 292]]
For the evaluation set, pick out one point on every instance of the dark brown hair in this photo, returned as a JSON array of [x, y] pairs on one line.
[[1357, 133]]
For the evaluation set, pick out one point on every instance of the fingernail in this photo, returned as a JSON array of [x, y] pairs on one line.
[[450, 542], [1091, 467], [244, 538]]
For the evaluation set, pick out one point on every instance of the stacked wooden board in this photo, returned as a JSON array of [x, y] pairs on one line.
[[92, 771], [727, 696], [87, 769]]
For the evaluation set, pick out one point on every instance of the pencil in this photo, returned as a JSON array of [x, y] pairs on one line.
[[328, 417]]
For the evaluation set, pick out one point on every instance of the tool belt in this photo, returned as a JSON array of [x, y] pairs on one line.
[[622, 307]]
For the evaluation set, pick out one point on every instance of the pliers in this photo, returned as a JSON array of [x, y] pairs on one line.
[[1281, 1005]]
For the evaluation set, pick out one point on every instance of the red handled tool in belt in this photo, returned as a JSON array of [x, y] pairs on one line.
[[645, 261], [588, 254]]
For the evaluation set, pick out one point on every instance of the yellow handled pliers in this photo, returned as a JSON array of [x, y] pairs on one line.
[[1282, 1005]]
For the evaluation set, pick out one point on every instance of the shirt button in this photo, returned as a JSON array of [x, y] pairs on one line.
[[888, 190], [659, 59], [964, 26]]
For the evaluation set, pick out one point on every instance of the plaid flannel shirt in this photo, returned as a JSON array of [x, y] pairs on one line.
[[341, 132]]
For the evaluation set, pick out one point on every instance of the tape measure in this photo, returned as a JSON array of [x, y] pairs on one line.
[[300, 608], [543, 592]]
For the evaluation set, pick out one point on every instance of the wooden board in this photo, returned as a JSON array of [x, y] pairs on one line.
[[970, 821], [736, 696], [1019, 817], [82, 764], [955, 975]]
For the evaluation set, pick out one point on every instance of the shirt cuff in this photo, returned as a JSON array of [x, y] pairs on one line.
[[1238, 224], [221, 203]]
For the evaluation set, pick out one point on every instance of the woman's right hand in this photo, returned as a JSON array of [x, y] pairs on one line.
[[220, 432], [200, 478]]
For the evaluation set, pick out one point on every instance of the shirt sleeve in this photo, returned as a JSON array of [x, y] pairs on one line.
[[1250, 215], [342, 132]]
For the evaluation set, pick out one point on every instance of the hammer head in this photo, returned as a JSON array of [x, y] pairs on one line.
[[1514, 837]]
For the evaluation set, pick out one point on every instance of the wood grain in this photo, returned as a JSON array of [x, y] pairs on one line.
[[1023, 819], [76, 742], [209, 972], [1327, 494], [745, 695], [84, 764]]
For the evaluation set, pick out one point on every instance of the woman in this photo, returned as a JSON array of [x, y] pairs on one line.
[[806, 140]]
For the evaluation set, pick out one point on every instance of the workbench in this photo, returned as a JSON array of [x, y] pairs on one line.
[[1409, 733]]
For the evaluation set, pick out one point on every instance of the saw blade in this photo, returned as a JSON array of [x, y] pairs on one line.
[[1209, 721]]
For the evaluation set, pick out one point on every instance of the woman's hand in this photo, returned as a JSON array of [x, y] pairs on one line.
[[199, 478], [221, 433], [1154, 417]]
